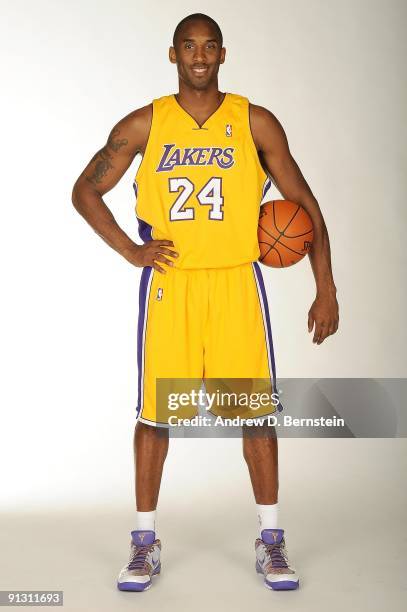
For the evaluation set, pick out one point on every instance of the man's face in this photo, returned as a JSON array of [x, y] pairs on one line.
[[197, 54]]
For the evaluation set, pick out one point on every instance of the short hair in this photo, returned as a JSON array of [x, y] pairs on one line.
[[198, 17]]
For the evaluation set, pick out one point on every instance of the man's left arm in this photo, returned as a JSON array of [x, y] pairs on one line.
[[275, 156]]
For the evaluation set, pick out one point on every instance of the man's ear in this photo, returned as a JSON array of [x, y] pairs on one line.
[[222, 55], [172, 55]]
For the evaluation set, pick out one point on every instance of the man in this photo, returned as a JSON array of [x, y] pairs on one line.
[[207, 157]]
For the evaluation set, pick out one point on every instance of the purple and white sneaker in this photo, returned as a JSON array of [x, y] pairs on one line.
[[273, 563], [144, 562]]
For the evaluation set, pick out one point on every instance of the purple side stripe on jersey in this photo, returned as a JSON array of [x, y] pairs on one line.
[[144, 230], [266, 187], [144, 292], [267, 326]]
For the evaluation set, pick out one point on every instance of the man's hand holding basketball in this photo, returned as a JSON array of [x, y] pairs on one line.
[[150, 253], [324, 313]]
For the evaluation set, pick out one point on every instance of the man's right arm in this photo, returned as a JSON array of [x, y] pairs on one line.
[[127, 138]]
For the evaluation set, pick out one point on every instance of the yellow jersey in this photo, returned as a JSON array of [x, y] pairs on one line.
[[201, 187]]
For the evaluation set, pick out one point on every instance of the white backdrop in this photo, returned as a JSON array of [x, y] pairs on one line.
[[331, 72]]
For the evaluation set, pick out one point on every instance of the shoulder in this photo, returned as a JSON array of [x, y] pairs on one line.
[[135, 127], [137, 120], [262, 117], [264, 125]]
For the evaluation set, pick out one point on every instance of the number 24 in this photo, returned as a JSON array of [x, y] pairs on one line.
[[209, 195]]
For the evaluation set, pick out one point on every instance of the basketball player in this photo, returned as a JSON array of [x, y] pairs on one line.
[[206, 161]]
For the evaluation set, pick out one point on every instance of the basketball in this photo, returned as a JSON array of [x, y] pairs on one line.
[[285, 233]]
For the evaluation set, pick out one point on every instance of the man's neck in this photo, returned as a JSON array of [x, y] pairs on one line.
[[199, 101]]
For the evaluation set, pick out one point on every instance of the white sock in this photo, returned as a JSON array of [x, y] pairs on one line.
[[145, 521], [268, 516]]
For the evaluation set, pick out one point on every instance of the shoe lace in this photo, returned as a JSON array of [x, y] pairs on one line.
[[138, 558], [278, 554]]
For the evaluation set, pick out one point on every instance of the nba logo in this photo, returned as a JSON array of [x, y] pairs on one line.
[[159, 294], [228, 130]]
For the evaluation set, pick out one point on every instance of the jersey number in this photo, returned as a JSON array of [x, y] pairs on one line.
[[209, 195]]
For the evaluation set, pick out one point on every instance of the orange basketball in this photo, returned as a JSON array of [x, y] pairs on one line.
[[285, 233]]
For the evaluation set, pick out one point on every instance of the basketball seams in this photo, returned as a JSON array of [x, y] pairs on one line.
[[279, 253], [278, 240], [271, 249], [290, 221], [281, 244]]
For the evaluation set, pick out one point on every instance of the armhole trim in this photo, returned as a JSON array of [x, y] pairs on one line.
[[138, 173], [267, 180], [147, 144]]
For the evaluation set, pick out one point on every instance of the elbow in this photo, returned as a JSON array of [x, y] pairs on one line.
[[75, 196]]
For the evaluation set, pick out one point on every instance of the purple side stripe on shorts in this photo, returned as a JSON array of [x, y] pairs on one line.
[[144, 292], [267, 325]]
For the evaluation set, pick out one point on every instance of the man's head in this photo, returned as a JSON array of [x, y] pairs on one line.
[[197, 50]]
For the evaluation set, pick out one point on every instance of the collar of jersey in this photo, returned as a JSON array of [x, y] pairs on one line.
[[195, 124]]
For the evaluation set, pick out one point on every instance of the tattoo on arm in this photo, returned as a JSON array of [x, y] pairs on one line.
[[113, 141], [103, 157], [103, 164]]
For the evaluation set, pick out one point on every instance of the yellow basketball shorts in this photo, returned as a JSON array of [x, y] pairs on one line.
[[208, 326]]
